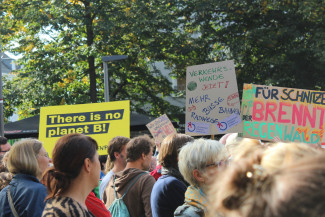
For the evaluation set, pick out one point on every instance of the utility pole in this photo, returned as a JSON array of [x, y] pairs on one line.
[[106, 59], [1, 95]]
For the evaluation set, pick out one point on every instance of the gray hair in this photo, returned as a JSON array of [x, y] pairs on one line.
[[197, 154]]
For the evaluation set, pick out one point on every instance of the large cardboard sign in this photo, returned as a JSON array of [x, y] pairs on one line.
[[101, 121], [160, 128], [212, 100], [286, 114]]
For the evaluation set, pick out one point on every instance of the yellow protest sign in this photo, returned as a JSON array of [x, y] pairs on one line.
[[101, 121]]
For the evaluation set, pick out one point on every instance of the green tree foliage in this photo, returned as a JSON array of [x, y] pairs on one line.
[[276, 42], [66, 68], [272, 42]]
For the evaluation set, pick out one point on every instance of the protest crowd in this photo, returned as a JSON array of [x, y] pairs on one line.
[[231, 176]]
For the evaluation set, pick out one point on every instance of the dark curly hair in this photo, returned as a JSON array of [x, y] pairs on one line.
[[137, 146]]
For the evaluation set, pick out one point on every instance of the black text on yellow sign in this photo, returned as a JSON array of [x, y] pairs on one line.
[[101, 121], [93, 119], [74, 118], [83, 129]]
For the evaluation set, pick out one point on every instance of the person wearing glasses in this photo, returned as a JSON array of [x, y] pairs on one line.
[[199, 162], [4, 145], [24, 196]]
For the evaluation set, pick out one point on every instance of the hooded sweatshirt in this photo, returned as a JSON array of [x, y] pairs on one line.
[[137, 198]]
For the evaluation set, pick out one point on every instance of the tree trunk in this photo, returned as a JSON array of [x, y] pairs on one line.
[[91, 59]]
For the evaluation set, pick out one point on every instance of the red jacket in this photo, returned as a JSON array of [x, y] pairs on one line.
[[156, 173], [96, 206]]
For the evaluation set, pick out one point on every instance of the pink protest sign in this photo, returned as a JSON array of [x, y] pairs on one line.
[[160, 128]]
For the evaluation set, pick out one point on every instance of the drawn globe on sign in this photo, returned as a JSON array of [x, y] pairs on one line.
[[192, 86]]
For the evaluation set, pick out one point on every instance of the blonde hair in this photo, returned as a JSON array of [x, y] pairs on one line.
[[197, 154], [246, 148], [245, 189], [232, 141], [22, 157], [281, 154]]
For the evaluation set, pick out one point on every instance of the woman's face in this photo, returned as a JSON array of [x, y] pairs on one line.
[[43, 160], [95, 171], [212, 169]]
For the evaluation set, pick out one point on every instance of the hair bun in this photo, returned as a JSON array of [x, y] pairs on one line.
[[61, 175]]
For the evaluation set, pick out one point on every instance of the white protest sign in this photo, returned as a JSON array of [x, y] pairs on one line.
[[212, 99], [160, 128]]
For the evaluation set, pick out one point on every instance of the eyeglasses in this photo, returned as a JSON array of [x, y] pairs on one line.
[[219, 164], [44, 155]]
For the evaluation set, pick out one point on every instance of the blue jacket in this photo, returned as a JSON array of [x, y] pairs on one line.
[[28, 196], [188, 211], [167, 194]]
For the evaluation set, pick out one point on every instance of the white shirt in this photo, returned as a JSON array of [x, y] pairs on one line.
[[104, 183]]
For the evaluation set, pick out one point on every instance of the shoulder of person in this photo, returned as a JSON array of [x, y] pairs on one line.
[[108, 175], [169, 181], [147, 178], [37, 188], [63, 205], [42, 192], [186, 210], [24, 180]]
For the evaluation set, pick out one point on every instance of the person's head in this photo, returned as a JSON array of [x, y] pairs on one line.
[[245, 189], [28, 156], [140, 149], [5, 179], [245, 149], [4, 162], [198, 161], [116, 152], [3, 166], [74, 156], [232, 141], [4, 145], [170, 147], [280, 154], [102, 160]]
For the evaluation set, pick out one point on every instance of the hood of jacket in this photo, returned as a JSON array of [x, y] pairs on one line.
[[125, 177]]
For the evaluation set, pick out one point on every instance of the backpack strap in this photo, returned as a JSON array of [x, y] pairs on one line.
[[114, 187], [11, 204], [132, 183]]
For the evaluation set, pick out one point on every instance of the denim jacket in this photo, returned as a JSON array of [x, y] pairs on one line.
[[28, 196], [188, 211]]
